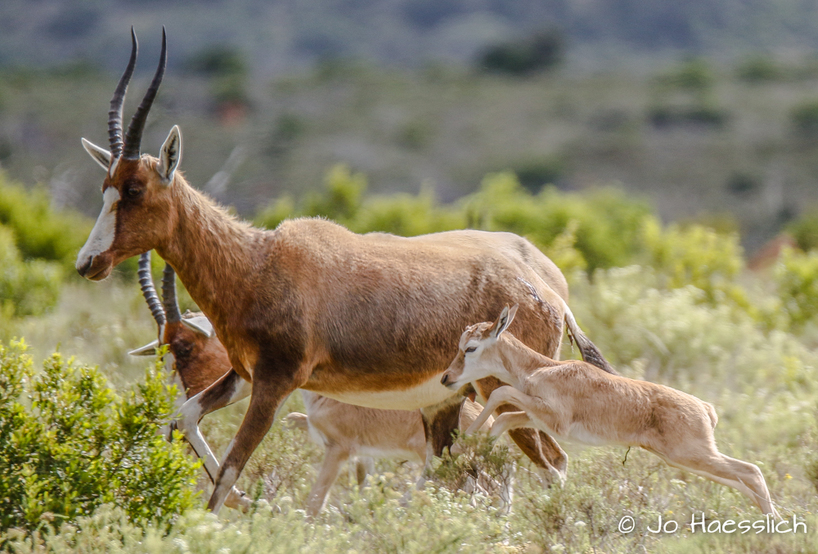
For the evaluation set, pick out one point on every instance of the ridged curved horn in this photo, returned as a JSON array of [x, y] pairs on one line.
[[148, 290], [133, 138], [115, 113], [169, 295]]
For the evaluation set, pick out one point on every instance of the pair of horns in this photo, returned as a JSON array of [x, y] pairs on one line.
[[129, 147], [167, 310]]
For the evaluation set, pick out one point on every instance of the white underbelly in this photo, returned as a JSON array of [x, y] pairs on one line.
[[577, 436], [389, 453], [426, 394]]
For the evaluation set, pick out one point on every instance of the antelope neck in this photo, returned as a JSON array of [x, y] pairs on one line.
[[211, 252], [518, 360]]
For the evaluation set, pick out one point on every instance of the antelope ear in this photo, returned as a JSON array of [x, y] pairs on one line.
[[171, 155], [147, 350], [505, 319], [200, 325], [100, 155]]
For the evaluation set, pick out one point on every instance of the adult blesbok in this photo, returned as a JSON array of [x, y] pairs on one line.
[[366, 319], [197, 359], [576, 401]]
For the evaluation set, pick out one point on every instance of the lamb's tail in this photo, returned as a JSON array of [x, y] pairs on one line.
[[711, 413], [590, 353]]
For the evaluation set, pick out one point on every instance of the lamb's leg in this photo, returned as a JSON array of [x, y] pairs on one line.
[[742, 476], [510, 420], [334, 458], [539, 447]]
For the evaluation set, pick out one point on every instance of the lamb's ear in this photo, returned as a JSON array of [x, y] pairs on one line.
[[505, 319], [170, 155], [100, 155], [200, 325]]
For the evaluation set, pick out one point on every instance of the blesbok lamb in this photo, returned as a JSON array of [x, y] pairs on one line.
[[578, 402], [346, 431], [197, 359], [369, 319]]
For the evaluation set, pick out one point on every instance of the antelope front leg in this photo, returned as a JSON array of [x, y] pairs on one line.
[[509, 395], [539, 447], [228, 389], [502, 395], [510, 420], [267, 396]]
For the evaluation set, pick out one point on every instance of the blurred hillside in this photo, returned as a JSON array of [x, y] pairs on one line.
[[418, 94], [281, 34], [734, 146]]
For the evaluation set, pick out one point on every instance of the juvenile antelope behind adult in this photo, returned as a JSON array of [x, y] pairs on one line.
[[577, 401], [366, 319], [197, 359]]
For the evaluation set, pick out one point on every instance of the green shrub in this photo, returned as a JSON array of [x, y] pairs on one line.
[[698, 256], [694, 75], [26, 287], [342, 196], [796, 276], [41, 231], [805, 230], [804, 119], [539, 52], [69, 443], [218, 61], [607, 224], [760, 69], [343, 200]]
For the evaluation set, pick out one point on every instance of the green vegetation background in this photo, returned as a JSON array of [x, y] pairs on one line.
[[670, 303]]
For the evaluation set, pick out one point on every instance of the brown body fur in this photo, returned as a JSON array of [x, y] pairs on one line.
[[345, 430], [199, 360]]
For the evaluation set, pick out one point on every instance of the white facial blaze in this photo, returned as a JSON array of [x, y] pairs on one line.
[[102, 235]]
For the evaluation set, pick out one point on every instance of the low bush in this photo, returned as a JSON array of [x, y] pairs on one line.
[[40, 230], [69, 443], [804, 119], [539, 52], [599, 229], [698, 256], [805, 229], [796, 276], [606, 224], [26, 287]]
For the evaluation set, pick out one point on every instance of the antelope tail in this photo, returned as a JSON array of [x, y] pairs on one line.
[[590, 353]]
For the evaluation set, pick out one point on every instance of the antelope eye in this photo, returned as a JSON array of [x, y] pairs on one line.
[[133, 191], [471, 349]]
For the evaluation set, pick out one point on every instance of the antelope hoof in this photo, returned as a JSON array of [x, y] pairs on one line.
[[238, 500], [169, 429]]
